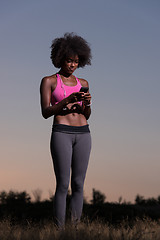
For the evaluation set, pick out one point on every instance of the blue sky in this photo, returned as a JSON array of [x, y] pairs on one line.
[[124, 83]]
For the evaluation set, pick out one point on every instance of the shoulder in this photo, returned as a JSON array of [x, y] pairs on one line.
[[83, 82], [49, 81]]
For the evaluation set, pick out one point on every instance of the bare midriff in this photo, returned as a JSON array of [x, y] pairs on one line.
[[71, 117]]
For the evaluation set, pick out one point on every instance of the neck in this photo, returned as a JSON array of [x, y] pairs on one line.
[[64, 74]]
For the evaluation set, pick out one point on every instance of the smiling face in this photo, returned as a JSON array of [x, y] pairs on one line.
[[70, 64]]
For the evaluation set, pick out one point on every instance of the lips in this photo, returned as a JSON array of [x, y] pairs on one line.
[[71, 69]]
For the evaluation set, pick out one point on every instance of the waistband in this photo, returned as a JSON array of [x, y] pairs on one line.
[[70, 129]]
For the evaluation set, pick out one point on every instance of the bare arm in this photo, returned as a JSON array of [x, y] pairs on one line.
[[87, 100], [45, 93], [87, 112]]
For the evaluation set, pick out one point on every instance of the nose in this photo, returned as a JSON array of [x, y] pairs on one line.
[[72, 64]]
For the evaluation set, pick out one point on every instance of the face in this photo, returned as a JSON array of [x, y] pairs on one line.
[[70, 64]]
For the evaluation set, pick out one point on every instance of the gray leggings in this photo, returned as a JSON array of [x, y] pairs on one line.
[[70, 151]]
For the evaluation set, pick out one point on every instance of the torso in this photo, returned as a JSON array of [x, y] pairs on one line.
[[72, 115]]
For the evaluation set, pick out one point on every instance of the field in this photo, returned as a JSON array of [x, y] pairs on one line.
[[139, 230]]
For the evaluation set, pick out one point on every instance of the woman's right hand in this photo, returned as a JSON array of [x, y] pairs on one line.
[[75, 97]]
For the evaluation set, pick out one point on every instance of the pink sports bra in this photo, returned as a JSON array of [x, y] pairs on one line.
[[62, 91]]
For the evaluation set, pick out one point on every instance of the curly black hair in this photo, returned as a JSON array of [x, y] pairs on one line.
[[69, 45]]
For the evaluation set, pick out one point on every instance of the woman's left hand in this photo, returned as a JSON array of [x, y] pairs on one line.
[[87, 98]]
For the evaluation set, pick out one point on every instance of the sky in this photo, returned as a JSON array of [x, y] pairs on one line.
[[124, 81]]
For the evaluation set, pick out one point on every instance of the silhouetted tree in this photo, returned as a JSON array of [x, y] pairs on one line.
[[97, 197], [3, 197], [23, 197], [152, 201], [140, 200], [14, 197], [120, 199]]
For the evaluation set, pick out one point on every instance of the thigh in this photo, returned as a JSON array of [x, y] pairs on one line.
[[61, 151], [81, 153]]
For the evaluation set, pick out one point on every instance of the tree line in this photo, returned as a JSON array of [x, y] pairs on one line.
[[19, 206]]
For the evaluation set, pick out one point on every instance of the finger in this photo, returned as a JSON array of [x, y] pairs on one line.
[[87, 97], [79, 94], [75, 99]]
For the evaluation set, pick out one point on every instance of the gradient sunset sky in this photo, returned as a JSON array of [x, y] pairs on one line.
[[124, 81]]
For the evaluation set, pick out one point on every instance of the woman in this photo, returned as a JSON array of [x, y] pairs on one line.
[[61, 96]]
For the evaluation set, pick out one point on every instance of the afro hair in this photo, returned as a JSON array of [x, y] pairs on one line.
[[69, 45]]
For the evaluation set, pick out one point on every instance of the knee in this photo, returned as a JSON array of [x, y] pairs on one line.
[[62, 187], [77, 185]]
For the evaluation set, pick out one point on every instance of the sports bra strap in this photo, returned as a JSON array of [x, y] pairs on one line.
[[62, 84]]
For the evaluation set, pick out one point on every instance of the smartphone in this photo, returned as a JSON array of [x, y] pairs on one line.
[[84, 89]]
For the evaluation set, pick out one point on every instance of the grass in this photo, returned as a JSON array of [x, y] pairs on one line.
[[139, 230]]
